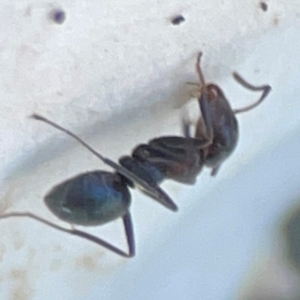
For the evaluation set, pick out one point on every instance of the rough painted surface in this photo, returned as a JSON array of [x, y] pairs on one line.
[[115, 72]]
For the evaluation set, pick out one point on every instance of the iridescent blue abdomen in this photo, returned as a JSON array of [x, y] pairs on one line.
[[90, 199]]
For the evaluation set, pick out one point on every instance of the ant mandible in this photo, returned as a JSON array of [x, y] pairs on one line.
[[98, 197]]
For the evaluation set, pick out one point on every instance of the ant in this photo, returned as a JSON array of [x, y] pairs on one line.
[[98, 197]]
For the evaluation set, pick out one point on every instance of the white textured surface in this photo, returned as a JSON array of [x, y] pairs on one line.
[[115, 72]]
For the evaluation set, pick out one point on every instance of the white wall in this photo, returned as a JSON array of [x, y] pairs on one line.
[[115, 73]]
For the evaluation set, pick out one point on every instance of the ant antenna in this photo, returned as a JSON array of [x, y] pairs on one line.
[[265, 88], [199, 71]]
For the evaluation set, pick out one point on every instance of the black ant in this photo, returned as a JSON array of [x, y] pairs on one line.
[[98, 197]]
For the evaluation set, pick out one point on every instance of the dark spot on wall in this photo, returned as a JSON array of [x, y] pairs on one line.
[[263, 6], [177, 20], [57, 15]]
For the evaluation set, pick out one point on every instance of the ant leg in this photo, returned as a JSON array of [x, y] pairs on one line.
[[206, 124], [83, 234], [200, 128], [215, 170], [156, 192], [186, 128], [264, 88], [129, 234], [204, 103], [200, 132], [200, 136]]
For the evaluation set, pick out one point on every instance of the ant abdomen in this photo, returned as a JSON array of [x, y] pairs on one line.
[[90, 199]]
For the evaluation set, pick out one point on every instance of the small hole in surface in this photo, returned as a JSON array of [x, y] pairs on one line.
[[57, 15], [264, 6], [177, 20]]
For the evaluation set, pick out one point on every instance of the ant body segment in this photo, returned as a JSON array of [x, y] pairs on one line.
[[98, 197]]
